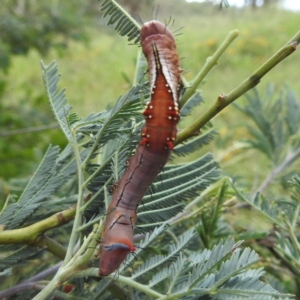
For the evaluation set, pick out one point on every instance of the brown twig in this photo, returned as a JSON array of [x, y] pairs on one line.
[[28, 130]]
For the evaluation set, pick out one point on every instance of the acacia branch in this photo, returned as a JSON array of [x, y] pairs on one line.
[[51, 245], [210, 63], [224, 100], [33, 235], [28, 235]]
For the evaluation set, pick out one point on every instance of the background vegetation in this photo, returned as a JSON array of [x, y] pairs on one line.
[[98, 62]]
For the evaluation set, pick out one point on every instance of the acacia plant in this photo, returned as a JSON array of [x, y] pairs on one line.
[[184, 247]]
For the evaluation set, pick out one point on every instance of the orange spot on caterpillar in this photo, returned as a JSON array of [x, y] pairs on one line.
[[170, 145], [144, 141]]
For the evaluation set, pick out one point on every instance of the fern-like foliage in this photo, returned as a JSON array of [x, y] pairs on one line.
[[141, 69], [285, 215], [172, 188], [212, 225], [195, 100], [220, 273], [277, 124], [288, 245], [42, 184], [116, 122], [12, 255], [124, 23], [57, 100], [159, 260], [195, 144], [39, 199], [274, 211]]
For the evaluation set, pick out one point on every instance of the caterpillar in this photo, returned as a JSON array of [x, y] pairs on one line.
[[157, 140]]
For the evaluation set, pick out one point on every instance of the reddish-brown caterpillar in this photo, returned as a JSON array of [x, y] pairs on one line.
[[158, 137]]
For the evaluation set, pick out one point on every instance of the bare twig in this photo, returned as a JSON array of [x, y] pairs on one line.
[[29, 283], [224, 100], [210, 63], [288, 159], [28, 130]]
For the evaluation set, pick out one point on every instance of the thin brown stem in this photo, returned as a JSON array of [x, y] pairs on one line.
[[28, 130]]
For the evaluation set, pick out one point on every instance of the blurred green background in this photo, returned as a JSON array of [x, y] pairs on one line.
[[97, 66]]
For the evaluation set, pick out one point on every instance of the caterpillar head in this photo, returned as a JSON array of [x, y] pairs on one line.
[[153, 28], [112, 256]]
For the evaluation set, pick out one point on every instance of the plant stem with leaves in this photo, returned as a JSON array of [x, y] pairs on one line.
[[77, 262], [77, 220]]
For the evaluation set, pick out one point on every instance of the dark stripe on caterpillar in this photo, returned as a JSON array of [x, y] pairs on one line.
[[157, 140]]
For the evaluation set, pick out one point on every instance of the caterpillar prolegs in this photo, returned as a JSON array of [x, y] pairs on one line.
[[157, 140]]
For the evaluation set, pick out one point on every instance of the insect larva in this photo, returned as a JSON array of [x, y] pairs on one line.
[[158, 136]]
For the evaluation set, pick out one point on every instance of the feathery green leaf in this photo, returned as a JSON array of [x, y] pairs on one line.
[[57, 100], [195, 144], [125, 24], [42, 184]]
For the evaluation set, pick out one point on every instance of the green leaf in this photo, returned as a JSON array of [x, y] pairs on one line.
[[277, 124], [159, 260], [140, 69], [118, 120], [193, 101], [172, 188], [270, 209], [14, 255], [125, 24], [288, 251], [57, 100], [42, 184], [194, 144], [148, 239], [239, 261], [209, 260], [292, 115]]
